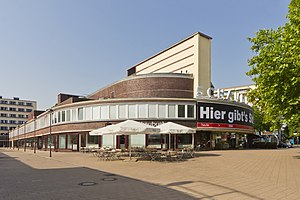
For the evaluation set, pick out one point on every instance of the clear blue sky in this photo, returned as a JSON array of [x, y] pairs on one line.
[[49, 47]]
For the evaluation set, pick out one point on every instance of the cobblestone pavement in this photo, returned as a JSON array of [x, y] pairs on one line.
[[231, 174], [59, 180]]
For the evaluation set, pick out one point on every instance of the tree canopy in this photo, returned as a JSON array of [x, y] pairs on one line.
[[275, 68]]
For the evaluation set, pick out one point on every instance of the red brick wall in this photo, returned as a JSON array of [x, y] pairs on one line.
[[148, 87]]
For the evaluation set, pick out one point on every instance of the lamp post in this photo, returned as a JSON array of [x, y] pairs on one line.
[[25, 137], [50, 134], [13, 141], [34, 137], [18, 138]]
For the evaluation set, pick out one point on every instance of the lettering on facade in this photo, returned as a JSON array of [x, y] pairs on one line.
[[155, 124], [221, 94], [230, 116], [224, 114]]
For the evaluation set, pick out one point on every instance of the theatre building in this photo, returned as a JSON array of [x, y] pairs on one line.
[[173, 85]]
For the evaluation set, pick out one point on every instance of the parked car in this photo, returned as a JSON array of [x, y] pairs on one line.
[[285, 145]]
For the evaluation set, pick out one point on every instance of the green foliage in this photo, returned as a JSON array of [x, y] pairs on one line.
[[260, 124], [275, 68]]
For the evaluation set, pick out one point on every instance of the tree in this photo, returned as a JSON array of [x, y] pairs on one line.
[[275, 68], [260, 123]]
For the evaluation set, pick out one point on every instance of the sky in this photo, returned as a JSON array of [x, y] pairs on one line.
[[49, 47]]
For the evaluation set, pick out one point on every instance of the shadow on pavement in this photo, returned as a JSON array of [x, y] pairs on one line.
[[223, 190], [200, 154], [19, 181], [297, 157]]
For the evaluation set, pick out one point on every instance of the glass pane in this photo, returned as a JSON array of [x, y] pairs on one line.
[[68, 115], [122, 111], [162, 111], [184, 140], [154, 141], [80, 113], [54, 118], [132, 111], [191, 111], [96, 112], [137, 140], [62, 141], [92, 139], [74, 115], [171, 111], [59, 117], [104, 112], [88, 113], [152, 111], [112, 112], [142, 111], [181, 110], [63, 116], [108, 141]]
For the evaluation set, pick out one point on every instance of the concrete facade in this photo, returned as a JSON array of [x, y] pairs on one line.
[[189, 56]]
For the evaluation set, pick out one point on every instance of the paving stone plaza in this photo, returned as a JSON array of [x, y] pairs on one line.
[[231, 174]]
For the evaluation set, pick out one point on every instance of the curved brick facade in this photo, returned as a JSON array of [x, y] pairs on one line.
[[149, 86]]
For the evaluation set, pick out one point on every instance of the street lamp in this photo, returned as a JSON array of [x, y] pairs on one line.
[[18, 138], [34, 137], [50, 135], [25, 137], [13, 141]]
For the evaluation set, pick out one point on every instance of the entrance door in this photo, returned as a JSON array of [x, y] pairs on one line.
[[73, 142], [122, 141]]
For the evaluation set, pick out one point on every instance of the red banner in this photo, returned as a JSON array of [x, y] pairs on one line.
[[221, 125]]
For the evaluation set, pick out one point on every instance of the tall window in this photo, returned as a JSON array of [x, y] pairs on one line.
[[161, 111], [142, 111], [104, 112], [152, 111], [171, 111], [80, 113], [74, 115], [122, 111], [92, 139], [62, 141], [96, 112], [181, 110], [59, 117], [112, 112], [68, 115], [132, 111], [63, 116], [190, 109], [88, 113]]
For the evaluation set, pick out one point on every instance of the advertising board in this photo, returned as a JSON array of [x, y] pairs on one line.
[[224, 116]]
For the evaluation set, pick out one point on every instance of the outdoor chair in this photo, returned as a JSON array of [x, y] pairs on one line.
[[163, 156]]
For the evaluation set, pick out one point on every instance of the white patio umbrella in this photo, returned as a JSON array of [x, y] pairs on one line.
[[173, 128], [128, 127]]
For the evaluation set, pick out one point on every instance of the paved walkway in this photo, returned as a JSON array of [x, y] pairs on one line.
[[231, 174]]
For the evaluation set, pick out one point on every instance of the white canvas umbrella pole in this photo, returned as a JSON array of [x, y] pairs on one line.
[[193, 140], [129, 146], [169, 141], [113, 141]]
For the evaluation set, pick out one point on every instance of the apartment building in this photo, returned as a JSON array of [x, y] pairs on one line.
[[14, 112]]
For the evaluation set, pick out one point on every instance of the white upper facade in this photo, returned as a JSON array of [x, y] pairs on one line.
[[191, 55]]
